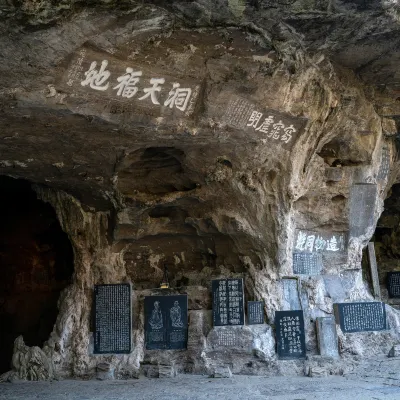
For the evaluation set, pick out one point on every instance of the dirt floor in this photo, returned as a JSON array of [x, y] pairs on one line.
[[189, 387]]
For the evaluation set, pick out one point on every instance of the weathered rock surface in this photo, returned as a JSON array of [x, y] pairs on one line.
[[136, 184]]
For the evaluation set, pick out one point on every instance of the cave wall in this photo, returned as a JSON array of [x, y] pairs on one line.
[[135, 188]]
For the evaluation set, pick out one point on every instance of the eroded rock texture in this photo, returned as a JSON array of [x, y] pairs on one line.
[[136, 184]]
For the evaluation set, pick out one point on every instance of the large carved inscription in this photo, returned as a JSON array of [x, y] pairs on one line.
[[101, 82], [320, 242]]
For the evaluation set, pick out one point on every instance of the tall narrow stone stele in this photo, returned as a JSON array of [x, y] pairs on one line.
[[327, 337], [291, 294], [374, 271]]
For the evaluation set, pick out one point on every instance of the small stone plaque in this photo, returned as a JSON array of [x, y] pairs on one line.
[[166, 324], [307, 263], [327, 337], [320, 242], [291, 294], [228, 302], [362, 207], [290, 335], [393, 284], [113, 318], [361, 317], [255, 312]]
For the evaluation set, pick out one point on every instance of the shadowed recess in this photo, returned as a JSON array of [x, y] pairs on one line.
[[36, 262]]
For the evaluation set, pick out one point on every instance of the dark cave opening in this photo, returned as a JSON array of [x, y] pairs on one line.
[[36, 261]]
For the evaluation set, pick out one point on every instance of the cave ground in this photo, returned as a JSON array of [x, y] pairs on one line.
[[196, 387]]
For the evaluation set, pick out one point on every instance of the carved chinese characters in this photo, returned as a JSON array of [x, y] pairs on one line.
[[320, 242], [124, 87], [112, 315], [361, 317], [290, 334], [269, 126], [228, 308], [166, 322]]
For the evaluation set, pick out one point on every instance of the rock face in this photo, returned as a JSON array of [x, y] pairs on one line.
[[211, 136]]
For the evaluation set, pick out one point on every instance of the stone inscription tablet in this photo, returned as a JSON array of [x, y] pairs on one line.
[[255, 312], [362, 207], [385, 164], [361, 317], [320, 242], [290, 335], [166, 324], [113, 318], [393, 284], [307, 263], [228, 307], [327, 337]]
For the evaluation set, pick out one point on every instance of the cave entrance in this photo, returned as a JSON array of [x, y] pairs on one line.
[[36, 262], [387, 241]]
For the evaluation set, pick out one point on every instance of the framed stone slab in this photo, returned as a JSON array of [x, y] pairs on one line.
[[166, 324], [320, 242], [327, 337], [228, 302], [113, 318], [290, 335], [307, 263], [362, 207], [361, 317], [393, 284], [255, 312], [291, 294]]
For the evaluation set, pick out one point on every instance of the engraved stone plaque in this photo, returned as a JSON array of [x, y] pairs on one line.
[[327, 337], [291, 294], [307, 263], [362, 206], [166, 322], [113, 318], [290, 335], [255, 312], [228, 302], [361, 317], [393, 284]]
